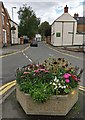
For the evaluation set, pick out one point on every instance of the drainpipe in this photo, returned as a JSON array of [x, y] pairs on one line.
[[73, 33]]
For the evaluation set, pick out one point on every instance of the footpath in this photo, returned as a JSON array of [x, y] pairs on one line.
[[11, 109], [12, 49]]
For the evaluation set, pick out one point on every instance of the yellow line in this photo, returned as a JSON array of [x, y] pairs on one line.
[[65, 53], [82, 89], [7, 88], [7, 84], [14, 52]]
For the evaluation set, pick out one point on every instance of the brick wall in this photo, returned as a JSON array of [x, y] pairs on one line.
[[5, 26], [81, 27]]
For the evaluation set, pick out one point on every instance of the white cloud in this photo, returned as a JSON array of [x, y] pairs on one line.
[[47, 10]]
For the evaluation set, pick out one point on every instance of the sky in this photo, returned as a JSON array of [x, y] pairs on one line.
[[46, 10]]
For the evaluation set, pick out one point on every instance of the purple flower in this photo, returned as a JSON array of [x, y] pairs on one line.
[[66, 75]]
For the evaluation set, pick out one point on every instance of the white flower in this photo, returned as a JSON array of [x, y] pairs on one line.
[[64, 86], [54, 84], [50, 83], [56, 87], [55, 78], [59, 84]]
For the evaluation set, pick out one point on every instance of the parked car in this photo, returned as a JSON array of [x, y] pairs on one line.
[[34, 43]]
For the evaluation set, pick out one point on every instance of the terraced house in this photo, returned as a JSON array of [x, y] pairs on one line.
[[5, 33]]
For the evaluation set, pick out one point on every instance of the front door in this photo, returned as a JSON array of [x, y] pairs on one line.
[[4, 37]]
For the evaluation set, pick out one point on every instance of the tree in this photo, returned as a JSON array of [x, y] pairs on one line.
[[45, 29], [28, 21]]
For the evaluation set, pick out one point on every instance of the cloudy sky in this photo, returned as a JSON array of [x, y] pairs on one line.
[[46, 10]]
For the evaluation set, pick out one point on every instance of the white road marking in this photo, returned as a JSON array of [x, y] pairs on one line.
[[50, 55], [23, 53], [30, 60], [26, 56]]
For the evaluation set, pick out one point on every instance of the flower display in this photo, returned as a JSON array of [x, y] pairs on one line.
[[52, 77]]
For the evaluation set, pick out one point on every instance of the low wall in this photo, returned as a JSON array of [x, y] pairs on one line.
[[78, 39]]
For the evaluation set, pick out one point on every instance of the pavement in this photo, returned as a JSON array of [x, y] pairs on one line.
[[16, 48], [11, 109], [12, 49]]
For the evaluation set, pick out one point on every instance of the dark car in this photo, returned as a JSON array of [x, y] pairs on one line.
[[34, 43]]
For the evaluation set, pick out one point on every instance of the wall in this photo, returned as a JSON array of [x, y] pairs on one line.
[[81, 27], [14, 34], [4, 27], [65, 29], [0, 25], [78, 39]]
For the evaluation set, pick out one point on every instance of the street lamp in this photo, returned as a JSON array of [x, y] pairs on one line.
[[12, 13]]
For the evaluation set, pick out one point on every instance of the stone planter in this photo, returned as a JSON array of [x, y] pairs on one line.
[[56, 105]]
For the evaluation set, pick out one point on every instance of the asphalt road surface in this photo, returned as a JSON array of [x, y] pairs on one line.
[[37, 54]]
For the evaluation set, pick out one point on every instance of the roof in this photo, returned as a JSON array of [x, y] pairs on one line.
[[13, 22], [80, 20], [65, 17]]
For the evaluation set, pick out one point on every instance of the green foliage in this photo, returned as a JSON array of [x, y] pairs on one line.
[[52, 77], [28, 21], [45, 29]]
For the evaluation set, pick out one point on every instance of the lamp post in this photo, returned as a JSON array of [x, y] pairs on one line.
[[12, 33], [12, 12]]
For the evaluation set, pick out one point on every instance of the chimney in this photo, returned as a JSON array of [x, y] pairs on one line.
[[76, 15], [66, 9]]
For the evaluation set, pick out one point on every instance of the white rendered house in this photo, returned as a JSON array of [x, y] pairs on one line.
[[63, 30]]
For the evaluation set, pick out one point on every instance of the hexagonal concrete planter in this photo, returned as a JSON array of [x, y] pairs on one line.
[[56, 105]]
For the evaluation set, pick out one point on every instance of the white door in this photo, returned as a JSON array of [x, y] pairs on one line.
[[67, 33], [4, 37]]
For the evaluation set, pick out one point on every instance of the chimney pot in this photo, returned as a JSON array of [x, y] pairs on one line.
[[66, 9]]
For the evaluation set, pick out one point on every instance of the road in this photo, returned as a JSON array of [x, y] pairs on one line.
[[37, 54]]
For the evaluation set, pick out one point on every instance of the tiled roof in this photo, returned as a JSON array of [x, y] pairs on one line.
[[80, 20]]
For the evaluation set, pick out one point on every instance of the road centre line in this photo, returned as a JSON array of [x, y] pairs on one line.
[[7, 84], [65, 53], [7, 88], [30, 60]]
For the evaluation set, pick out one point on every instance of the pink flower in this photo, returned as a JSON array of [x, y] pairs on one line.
[[67, 80], [66, 75], [26, 72], [46, 71], [36, 71]]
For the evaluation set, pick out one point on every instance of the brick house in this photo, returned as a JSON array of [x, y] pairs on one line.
[[80, 23], [5, 34]]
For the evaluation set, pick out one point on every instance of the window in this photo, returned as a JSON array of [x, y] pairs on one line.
[[57, 34], [2, 20]]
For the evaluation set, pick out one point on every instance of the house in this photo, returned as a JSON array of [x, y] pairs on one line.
[[38, 37], [5, 34], [63, 31], [80, 23], [14, 33]]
